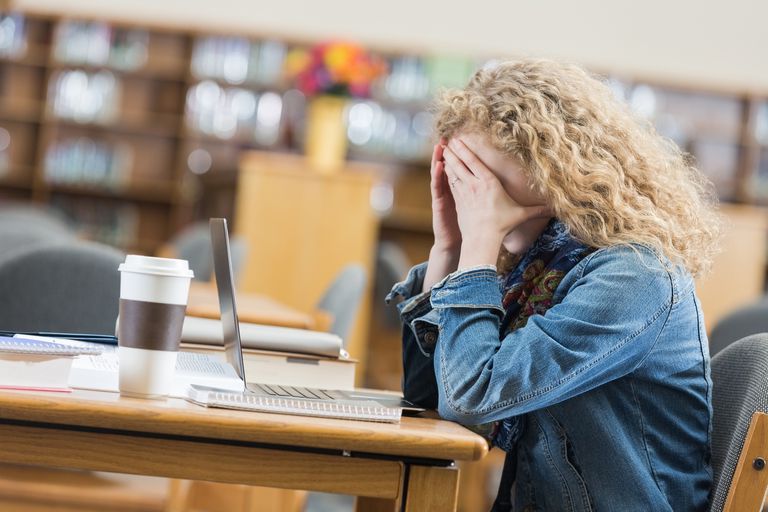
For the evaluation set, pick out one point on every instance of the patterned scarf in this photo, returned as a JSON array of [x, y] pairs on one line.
[[528, 289]]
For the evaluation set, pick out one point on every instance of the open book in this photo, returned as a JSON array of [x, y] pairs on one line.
[[365, 410]]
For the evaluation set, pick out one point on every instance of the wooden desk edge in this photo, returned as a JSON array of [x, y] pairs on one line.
[[439, 443]]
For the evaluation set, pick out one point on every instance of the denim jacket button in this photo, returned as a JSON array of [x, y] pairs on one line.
[[430, 338]]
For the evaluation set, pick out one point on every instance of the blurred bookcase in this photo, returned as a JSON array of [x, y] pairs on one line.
[[134, 131]]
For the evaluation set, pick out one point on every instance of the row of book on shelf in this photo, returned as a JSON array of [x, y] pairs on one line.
[[261, 118]]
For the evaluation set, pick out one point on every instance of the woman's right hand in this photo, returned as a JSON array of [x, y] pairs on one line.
[[445, 224], [444, 256]]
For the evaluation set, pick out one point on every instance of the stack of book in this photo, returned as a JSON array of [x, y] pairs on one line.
[[278, 355], [272, 355], [60, 364], [30, 363]]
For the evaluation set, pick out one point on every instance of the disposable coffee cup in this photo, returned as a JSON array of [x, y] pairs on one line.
[[153, 302]]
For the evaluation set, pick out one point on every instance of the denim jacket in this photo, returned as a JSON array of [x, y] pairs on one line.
[[611, 385]]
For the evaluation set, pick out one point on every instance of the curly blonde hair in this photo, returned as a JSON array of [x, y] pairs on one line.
[[606, 173]]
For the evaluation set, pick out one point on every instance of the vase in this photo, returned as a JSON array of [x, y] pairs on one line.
[[326, 135]]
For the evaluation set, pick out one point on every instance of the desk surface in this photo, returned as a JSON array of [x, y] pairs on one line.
[[413, 437], [254, 308]]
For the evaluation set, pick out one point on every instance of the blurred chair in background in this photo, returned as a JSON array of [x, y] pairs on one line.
[[740, 425], [392, 266], [27, 214], [25, 224], [752, 319], [53, 287], [342, 298], [15, 236], [70, 287], [193, 244]]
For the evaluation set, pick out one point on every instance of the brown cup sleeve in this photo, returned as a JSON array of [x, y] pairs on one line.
[[150, 325]]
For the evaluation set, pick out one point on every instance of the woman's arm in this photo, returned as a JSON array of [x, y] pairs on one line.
[[419, 337], [607, 322]]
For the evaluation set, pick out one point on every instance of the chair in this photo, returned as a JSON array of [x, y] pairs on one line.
[[23, 224], [30, 214], [392, 265], [14, 236], [342, 298], [748, 320], [67, 287], [60, 287], [740, 425], [193, 244]]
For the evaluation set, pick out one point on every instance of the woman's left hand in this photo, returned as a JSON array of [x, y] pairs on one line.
[[486, 213]]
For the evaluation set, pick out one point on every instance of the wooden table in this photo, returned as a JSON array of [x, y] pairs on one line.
[[254, 308], [407, 466]]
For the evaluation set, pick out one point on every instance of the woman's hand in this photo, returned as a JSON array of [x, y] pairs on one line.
[[445, 225], [444, 256], [485, 212]]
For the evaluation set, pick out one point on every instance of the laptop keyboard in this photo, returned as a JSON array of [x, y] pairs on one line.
[[290, 391]]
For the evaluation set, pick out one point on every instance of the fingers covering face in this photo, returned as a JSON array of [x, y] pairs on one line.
[[454, 167], [476, 166]]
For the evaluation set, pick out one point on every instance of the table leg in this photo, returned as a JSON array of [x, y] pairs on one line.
[[363, 504], [432, 488]]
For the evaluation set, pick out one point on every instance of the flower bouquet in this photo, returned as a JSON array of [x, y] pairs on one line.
[[328, 74], [336, 68]]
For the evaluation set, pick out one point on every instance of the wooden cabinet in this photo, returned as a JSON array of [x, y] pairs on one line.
[[301, 228], [739, 270]]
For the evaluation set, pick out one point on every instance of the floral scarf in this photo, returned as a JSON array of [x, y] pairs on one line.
[[527, 290], [529, 287]]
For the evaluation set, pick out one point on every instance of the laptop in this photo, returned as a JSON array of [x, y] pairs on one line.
[[222, 263]]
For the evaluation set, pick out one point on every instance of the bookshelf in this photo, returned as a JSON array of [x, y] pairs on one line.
[[135, 131]]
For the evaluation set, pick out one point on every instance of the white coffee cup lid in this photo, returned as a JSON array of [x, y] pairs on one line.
[[157, 266]]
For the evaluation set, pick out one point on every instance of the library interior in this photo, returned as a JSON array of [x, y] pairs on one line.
[[345, 145]]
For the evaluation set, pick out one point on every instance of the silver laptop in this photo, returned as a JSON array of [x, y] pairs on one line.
[[222, 264]]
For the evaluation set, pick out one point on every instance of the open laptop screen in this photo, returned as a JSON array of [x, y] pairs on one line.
[[222, 264]]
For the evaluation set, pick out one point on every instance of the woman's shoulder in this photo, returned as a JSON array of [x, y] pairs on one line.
[[630, 254], [634, 269]]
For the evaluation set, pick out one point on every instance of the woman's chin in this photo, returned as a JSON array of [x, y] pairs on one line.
[[521, 239], [513, 243]]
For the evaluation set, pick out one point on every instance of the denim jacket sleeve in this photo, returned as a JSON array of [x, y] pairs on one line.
[[608, 320], [420, 333], [419, 338]]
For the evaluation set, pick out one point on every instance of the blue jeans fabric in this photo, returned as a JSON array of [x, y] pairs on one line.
[[610, 386]]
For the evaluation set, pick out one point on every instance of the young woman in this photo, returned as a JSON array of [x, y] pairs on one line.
[[557, 313]]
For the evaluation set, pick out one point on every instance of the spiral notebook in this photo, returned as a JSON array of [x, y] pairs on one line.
[[37, 364], [28, 346], [364, 410]]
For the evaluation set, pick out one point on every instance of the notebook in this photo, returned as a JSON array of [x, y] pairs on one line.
[[356, 405], [97, 368], [22, 345], [101, 373], [37, 364]]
